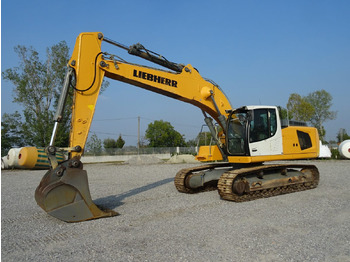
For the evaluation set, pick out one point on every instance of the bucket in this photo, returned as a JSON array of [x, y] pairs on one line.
[[36, 158]]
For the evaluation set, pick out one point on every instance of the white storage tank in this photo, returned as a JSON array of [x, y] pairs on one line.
[[325, 152], [12, 157], [4, 163], [344, 149]]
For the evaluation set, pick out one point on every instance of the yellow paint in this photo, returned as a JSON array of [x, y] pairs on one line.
[[209, 153], [205, 92]]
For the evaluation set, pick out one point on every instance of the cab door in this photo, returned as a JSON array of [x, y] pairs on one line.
[[265, 135]]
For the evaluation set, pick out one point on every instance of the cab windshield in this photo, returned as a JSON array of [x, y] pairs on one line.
[[236, 133]]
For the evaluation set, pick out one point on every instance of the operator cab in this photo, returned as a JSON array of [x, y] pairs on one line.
[[254, 131]]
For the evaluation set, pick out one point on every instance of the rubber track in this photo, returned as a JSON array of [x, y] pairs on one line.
[[182, 175], [227, 179]]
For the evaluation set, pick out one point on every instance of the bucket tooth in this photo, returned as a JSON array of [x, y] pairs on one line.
[[64, 194]]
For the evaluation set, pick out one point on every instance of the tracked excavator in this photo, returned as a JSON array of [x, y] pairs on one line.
[[246, 138]]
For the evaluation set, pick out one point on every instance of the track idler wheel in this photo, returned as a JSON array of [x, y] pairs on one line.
[[64, 194], [240, 187]]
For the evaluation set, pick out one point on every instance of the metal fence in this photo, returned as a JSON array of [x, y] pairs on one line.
[[143, 151]]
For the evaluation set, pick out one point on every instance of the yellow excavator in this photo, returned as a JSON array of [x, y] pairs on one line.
[[244, 137]]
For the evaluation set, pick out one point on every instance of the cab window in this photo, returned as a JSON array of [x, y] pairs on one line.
[[236, 134], [263, 124]]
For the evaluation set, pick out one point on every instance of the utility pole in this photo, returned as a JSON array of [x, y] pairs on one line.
[[138, 136]]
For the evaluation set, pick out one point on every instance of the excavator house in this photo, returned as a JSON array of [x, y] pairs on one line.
[[245, 138]]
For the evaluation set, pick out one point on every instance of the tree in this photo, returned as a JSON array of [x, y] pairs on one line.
[[162, 134], [314, 108], [109, 144], [37, 85], [342, 135], [94, 145], [204, 138], [283, 112], [191, 142], [299, 108], [11, 126], [120, 142], [321, 102]]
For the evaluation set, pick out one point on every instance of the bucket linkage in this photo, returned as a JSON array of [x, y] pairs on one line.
[[64, 190]]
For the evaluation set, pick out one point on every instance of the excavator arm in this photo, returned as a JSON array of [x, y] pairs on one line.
[[63, 191]]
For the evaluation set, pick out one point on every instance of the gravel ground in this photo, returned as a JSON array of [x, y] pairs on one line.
[[157, 223]]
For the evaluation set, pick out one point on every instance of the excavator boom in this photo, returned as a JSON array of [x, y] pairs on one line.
[[91, 66]]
